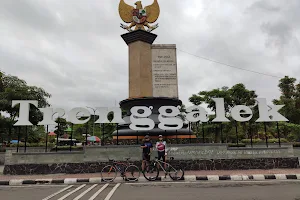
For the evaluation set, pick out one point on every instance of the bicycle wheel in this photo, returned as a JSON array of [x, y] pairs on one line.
[[151, 172], [132, 173], [108, 173], [176, 174]]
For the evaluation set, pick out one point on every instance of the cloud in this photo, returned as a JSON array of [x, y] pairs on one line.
[[73, 49]]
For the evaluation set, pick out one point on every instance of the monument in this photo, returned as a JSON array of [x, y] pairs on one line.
[[153, 79]]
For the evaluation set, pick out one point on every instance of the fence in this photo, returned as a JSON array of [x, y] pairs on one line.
[[205, 132]]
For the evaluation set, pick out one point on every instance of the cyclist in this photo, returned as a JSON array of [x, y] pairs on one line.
[[161, 147], [147, 148]]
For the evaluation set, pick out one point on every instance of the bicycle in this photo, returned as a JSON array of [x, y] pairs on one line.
[[152, 170], [128, 171]]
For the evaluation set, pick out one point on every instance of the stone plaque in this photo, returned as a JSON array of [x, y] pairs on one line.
[[164, 71]]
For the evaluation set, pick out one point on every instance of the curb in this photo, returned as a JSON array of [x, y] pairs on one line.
[[188, 178]]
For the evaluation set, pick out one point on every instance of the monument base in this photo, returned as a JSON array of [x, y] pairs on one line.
[[189, 157], [124, 132], [194, 165], [155, 137]]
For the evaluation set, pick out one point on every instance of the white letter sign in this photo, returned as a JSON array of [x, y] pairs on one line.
[[169, 121], [139, 121], [24, 112]]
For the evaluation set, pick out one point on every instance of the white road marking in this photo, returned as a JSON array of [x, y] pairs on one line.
[[112, 192], [95, 180], [15, 182], [245, 177], [258, 177], [70, 180], [213, 177], [65, 196], [280, 176], [236, 177], [86, 191], [98, 192], [60, 191], [190, 178]]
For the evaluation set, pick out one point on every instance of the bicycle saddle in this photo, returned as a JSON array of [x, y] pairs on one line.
[[111, 160], [127, 159], [171, 158]]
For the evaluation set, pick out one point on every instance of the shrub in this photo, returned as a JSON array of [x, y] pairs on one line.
[[237, 145], [296, 144], [33, 145], [248, 141], [275, 140]]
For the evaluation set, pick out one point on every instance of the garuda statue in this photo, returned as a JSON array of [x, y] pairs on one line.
[[139, 16]]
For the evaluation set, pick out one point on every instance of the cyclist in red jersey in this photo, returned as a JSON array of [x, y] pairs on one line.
[[161, 147]]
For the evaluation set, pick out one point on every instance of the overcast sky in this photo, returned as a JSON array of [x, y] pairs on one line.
[[73, 48]]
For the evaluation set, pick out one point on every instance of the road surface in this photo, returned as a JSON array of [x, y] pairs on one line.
[[272, 190]]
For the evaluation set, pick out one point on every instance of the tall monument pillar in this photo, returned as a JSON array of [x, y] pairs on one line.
[[152, 72], [140, 63]]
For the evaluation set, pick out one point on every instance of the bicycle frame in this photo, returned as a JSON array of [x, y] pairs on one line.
[[160, 164], [118, 164]]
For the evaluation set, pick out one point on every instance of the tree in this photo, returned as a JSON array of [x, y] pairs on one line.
[[206, 97], [61, 127], [236, 95], [290, 98], [13, 88]]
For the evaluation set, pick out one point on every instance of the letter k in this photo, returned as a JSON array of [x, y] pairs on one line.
[[265, 113]]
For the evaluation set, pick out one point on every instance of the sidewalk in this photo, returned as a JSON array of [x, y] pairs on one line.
[[234, 175]]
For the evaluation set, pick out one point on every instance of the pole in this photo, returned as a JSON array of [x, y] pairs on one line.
[[117, 134], [18, 138], [250, 130], [237, 136], [25, 138], [203, 132], [94, 119], [266, 134], [221, 127], [94, 124], [197, 126], [58, 130], [103, 134], [71, 143], [86, 133], [216, 132], [190, 124], [47, 138], [278, 133]]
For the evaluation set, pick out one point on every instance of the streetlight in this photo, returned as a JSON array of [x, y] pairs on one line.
[[94, 110]]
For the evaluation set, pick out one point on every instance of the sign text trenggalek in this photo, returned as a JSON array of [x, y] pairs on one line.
[[140, 121]]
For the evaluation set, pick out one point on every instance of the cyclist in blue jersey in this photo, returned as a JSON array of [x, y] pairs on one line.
[[147, 147]]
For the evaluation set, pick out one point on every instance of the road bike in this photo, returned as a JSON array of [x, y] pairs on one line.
[[128, 171], [151, 171]]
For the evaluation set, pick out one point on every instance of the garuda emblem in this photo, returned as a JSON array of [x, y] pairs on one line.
[[139, 16]]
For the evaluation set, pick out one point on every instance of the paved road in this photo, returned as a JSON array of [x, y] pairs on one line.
[[165, 191]]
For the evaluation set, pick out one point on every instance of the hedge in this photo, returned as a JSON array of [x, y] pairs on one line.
[[237, 145], [248, 141], [296, 144], [272, 140]]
